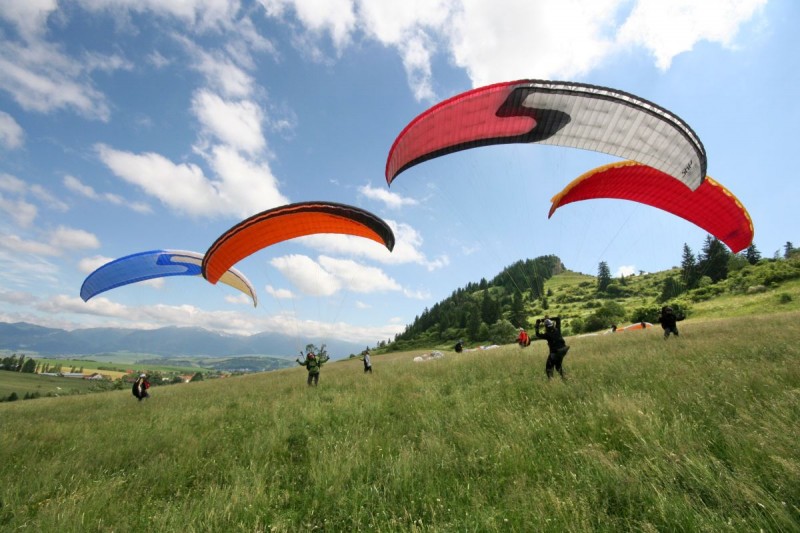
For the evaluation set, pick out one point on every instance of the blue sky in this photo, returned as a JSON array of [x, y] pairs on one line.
[[131, 125]]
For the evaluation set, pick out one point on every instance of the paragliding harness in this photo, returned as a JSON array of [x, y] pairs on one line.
[[312, 363]]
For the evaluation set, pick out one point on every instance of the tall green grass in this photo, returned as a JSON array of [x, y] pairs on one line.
[[697, 433]]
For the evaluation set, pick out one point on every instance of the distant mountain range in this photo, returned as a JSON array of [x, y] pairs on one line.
[[166, 342]]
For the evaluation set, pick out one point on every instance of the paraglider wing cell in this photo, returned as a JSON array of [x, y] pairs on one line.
[[288, 222], [558, 113], [711, 206], [155, 264]]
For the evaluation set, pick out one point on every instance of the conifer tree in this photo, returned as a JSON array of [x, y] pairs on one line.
[[714, 259], [518, 317], [670, 289], [29, 367], [603, 276], [490, 311], [473, 324], [688, 268], [752, 254]]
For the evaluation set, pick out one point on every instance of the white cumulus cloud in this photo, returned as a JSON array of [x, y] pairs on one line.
[[307, 275], [236, 124], [357, 277], [513, 39], [389, 198], [11, 133], [243, 187]]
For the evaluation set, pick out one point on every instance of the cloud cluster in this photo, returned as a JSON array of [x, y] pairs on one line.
[[240, 188], [327, 276], [11, 133], [56, 242], [57, 311], [513, 39], [26, 248], [17, 197], [389, 199], [498, 40], [75, 185]]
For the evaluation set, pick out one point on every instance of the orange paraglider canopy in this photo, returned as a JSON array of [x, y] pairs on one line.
[[711, 206], [288, 222]]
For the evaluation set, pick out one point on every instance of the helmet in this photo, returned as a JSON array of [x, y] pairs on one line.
[[142, 375], [548, 323]]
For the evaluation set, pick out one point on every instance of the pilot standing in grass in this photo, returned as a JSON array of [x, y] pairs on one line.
[[555, 342], [140, 387], [313, 364], [669, 321], [367, 361]]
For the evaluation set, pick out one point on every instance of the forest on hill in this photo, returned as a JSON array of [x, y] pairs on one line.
[[491, 311]]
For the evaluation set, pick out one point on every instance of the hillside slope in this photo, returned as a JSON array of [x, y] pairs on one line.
[[692, 434], [488, 313]]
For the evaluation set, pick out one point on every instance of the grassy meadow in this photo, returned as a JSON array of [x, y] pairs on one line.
[[23, 383], [698, 433]]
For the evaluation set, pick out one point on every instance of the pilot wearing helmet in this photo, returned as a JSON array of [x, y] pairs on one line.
[[555, 343], [140, 387]]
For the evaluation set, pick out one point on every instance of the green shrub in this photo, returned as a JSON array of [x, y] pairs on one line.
[[707, 292], [648, 314], [502, 332], [576, 326], [764, 273]]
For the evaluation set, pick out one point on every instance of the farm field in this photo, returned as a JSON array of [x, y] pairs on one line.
[[22, 383]]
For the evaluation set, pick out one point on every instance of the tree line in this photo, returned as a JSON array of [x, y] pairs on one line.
[[28, 365]]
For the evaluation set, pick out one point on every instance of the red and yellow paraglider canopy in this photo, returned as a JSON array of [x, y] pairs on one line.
[[711, 206]]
